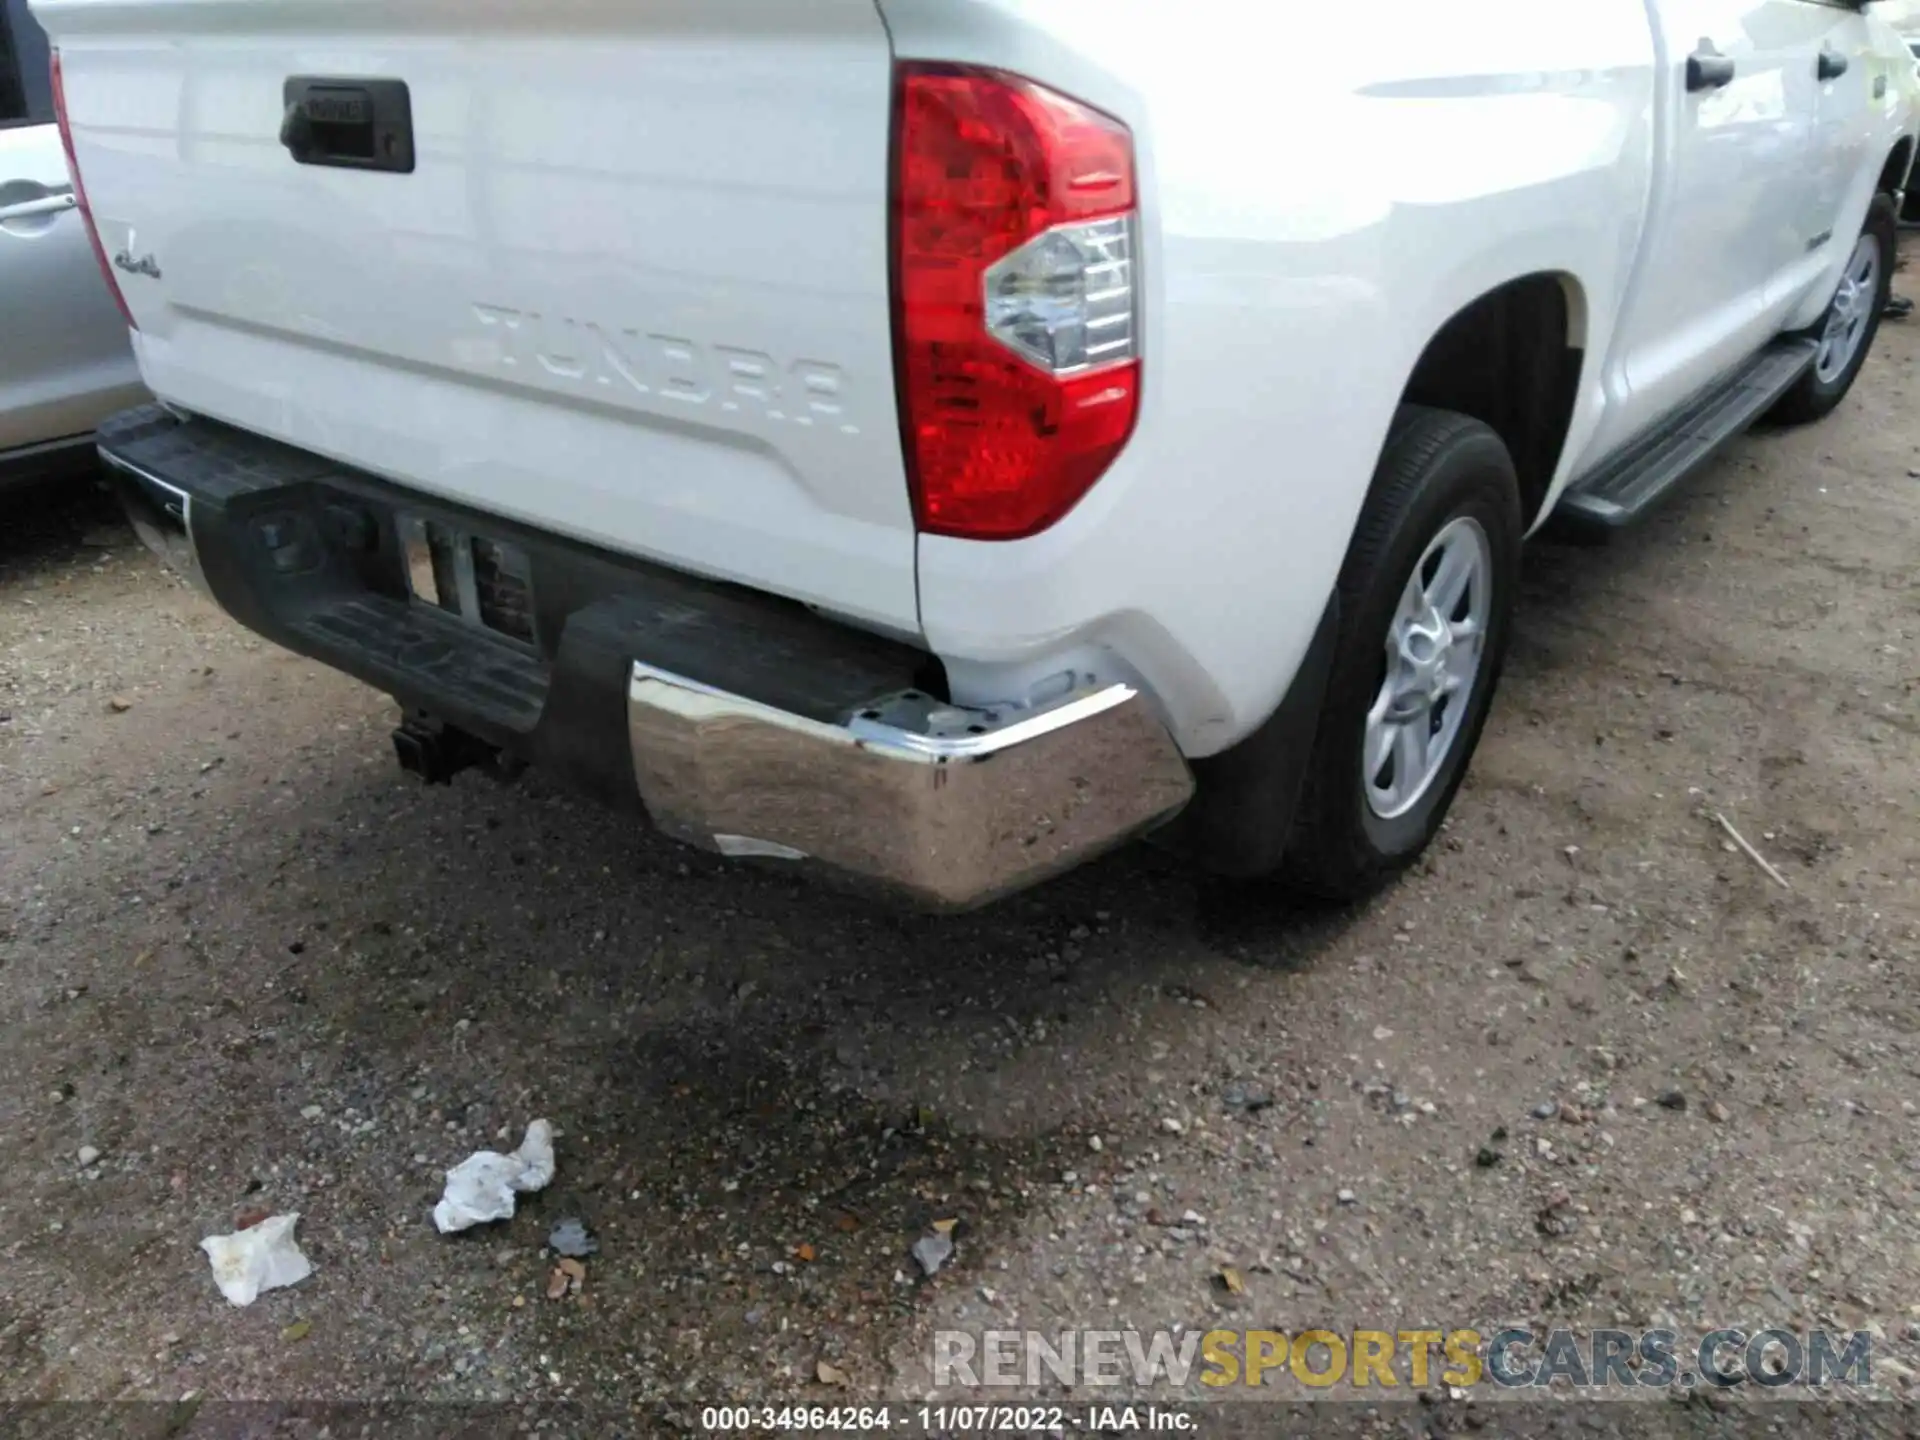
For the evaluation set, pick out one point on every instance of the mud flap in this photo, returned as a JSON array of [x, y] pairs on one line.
[[1241, 816]]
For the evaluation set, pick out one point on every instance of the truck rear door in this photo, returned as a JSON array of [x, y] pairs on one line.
[[1725, 220], [615, 270]]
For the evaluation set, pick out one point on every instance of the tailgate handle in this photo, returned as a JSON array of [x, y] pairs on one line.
[[350, 123]]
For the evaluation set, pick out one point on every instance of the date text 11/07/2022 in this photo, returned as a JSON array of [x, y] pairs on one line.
[[949, 1419]]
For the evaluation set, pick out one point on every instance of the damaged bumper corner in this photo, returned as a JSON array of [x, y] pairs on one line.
[[944, 806]]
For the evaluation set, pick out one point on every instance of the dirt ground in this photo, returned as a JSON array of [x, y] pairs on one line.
[[254, 967]]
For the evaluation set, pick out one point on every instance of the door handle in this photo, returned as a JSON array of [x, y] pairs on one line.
[[46, 205], [1832, 65], [1708, 69]]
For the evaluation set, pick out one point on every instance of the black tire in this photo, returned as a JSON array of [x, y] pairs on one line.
[[1436, 467], [1811, 397]]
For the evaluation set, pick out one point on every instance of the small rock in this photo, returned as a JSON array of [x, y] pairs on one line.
[[120, 704], [88, 1154], [312, 1112], [1553, 1217], [556, 1283], [1487, 1158], [1546, 1110], [504, 1256], [1672, 1100], [1250, 1098], [1173, 1126], [571, 1237], [1382, 1032], [930, 1252], [1716, 1112], [1095, 1144], [831, 1375], [1345, 1197], [1230, 1281], [298, 1330]]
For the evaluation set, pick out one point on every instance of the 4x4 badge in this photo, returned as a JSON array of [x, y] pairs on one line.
[[145, 265]]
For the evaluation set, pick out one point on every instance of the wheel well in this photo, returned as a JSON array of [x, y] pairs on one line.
[[1899, 164], [1512, 360]]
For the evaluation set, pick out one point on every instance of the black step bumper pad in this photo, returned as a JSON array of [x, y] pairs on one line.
[[308, 553]]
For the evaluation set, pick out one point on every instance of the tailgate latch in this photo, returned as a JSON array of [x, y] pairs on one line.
[[354, 124]]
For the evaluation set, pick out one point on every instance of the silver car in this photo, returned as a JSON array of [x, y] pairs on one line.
[[65, 361]]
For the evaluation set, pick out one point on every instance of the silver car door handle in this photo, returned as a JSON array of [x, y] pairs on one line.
[[46, 205]]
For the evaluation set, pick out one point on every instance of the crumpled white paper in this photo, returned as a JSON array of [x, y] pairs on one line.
[[261, 1257], [482, 1186]]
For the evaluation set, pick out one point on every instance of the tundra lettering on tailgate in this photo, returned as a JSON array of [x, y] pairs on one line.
[[594, 356]]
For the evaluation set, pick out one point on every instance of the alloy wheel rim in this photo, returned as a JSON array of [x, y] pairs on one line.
[[1852, 309], [1435, 646]]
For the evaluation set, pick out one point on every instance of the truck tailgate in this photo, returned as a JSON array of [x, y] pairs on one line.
[[633, 289]]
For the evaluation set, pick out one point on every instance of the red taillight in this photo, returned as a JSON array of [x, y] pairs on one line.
[[1015, 295], [80, 192]]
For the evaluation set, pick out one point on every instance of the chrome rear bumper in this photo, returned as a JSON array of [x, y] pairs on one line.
[[943, 806]]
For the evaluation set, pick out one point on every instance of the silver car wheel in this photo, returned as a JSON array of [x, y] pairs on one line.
[[1435, 643]]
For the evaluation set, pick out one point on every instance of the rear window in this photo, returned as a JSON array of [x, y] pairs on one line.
[[26, 93]]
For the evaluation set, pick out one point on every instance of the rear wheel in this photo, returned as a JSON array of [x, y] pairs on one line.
[[1846, 331], [1426, 599]]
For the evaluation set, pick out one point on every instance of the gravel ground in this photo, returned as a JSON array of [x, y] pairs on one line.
[[1587, 1065]]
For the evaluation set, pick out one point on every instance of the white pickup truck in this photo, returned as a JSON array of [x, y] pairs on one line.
[[941, 439]]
